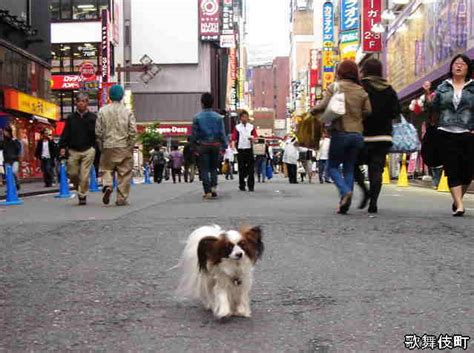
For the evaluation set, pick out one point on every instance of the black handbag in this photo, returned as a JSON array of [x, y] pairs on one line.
[[430, 147]]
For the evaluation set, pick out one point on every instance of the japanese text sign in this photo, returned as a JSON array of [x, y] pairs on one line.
[[209, 20], [328, 24], [349, 14], [227, 17], [371, 14]]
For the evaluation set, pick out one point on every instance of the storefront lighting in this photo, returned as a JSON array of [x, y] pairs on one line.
[[86, 6], [388, 15]]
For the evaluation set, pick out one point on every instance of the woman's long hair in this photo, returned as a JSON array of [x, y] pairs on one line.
[[348, 70]]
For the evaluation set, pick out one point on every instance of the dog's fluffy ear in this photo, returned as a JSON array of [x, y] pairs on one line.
[[204, 251], [254, 235]]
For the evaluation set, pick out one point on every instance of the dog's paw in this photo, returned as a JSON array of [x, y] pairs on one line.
[[222, 314], [243, 311]]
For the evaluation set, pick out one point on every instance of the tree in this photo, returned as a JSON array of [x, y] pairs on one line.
[[150, 138]]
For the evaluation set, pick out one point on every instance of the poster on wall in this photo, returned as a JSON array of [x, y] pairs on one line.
[[209, 20]]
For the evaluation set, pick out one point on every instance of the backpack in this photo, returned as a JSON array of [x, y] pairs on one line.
[[158, 158]]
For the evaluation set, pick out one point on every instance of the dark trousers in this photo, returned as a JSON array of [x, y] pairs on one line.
[[246, 163], [48, 171], [174, 172], [189, 172], [158, 172], [292, 173], [457, 155], [375, 154], [209, 164]]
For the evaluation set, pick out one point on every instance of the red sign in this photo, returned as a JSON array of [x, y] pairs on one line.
[[209, 20], [371, 14], [65, 82], [87, 70]]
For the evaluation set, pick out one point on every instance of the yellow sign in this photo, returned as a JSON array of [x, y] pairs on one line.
[[25, 103], [349, 50], [328, 58], [328, 78]]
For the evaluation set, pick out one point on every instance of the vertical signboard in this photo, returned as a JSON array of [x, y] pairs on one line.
[[313, 76], [209, 20], [227, 39], [349, 15], [233, 68], [116, 25], [105, 47], [328, 44], [371, 14], [349, 45], [328, 24]]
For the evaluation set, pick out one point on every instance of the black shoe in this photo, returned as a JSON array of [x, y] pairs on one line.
[[214, 194], [453, 207], [459, 213], [251, 190], [242, 188], [373, 207], [82, 200], [107, 192], [365, 201], [345, 203]]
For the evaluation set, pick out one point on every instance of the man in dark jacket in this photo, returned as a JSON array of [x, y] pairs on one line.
[[377, 130], [11, 152], [209, 134], [46, 152], [189, 162], [79, 139]]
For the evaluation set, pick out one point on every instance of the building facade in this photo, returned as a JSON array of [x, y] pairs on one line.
[[86, 46], [25, 76]]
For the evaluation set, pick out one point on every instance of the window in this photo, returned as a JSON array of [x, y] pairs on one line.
[[66, 101], [67, 58], [84, 10], [77, 10]]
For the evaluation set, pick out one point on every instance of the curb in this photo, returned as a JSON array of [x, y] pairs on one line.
[[33, 193]]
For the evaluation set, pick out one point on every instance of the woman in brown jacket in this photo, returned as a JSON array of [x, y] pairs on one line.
[[346, 132]]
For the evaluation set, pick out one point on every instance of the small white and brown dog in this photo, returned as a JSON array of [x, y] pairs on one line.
[[217, 268]]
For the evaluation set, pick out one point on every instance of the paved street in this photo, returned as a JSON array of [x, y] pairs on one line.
[[98, 279]]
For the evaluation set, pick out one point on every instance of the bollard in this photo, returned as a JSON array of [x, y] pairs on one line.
[[443, 183], [114, 181], [12, 195], [93, 185], [64, 192], [131, 181], [403, 176], [386, 172], [147, 175]]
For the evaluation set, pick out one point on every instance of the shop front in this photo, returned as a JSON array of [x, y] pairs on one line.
[[28, 116]]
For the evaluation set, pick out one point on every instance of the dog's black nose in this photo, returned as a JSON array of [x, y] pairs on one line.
[[238, 255]]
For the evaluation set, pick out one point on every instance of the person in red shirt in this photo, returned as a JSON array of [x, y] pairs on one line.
[[242, 138]]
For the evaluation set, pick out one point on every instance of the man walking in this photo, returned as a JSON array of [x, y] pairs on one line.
[[78, 140], [209, 134], [157, 159], [46, 153], [242, 138], [11, 152], [116, 130], [189, 155]]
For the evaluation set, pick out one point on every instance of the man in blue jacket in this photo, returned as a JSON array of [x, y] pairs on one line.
[[208, 135]]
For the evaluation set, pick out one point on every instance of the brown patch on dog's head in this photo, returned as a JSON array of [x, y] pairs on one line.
[[213, 249], [251, 242]]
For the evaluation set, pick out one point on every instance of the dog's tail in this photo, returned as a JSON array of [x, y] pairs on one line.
[[190, 283]]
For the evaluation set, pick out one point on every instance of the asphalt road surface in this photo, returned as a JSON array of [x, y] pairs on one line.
[[99, 279]]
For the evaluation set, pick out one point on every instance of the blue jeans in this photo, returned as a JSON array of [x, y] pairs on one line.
[[344, 149], [261, 163], [209, 164], [323, 170]]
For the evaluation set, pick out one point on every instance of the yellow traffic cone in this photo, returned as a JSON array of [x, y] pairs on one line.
[[386, 173], [403, 176], [443, 183]]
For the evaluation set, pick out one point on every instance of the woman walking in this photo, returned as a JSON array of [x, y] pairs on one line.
[[377, 130], [454, 102], [346, 131]]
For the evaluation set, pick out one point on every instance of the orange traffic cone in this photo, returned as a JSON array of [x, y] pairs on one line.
[[403, 176]]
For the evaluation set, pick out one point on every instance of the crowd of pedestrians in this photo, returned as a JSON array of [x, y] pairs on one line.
[[360, 136]]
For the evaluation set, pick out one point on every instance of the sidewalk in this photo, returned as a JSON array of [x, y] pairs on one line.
[[31, 189]]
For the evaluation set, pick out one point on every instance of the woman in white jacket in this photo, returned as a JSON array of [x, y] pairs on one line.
[[290, 157]]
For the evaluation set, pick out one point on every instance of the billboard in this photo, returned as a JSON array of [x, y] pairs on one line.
[[328, 24], [165, 30]]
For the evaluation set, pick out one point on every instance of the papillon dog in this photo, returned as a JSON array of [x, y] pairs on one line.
[[217, 268]]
